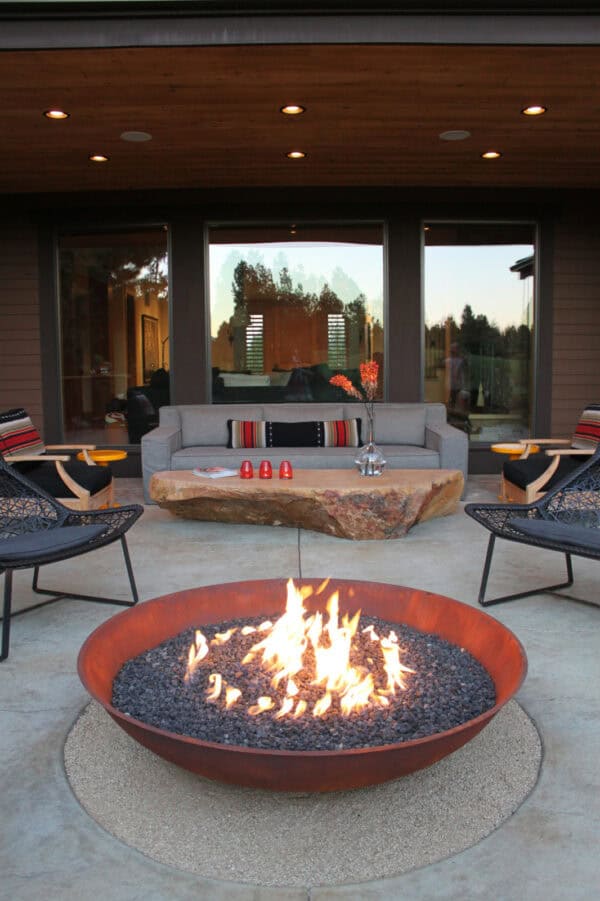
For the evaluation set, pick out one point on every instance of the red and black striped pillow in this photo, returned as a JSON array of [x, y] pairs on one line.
[[587, 433], [323, 433], [18, 435]]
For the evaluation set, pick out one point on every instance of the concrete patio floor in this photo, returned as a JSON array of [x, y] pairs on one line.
[[51, 849]]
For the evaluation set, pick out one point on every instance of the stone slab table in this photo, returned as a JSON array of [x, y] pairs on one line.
[[335, 501]]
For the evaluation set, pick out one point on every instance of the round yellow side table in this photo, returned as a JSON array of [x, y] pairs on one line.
[[512, 448], [104, 457]]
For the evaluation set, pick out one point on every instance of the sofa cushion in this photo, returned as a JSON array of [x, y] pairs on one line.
[[402, 424], [300, 412], [207, 424], [523, 472], [46, 476]]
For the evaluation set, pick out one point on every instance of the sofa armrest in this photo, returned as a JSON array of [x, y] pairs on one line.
[[158, 446], [451, 444]]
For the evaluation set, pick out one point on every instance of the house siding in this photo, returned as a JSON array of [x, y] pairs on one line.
[[576, 324], [20, 357]]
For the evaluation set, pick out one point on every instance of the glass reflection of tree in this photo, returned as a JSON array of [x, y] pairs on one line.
[[255, 290], [496, 362]]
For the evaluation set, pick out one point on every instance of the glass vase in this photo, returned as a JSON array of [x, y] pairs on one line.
[[370, 459]]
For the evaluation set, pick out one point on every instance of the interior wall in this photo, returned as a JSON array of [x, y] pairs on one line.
[[20, 356], [576, 327]]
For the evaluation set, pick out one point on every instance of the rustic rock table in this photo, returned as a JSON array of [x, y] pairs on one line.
[[335, 501]]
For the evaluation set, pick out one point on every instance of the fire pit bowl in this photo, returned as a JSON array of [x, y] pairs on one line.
[[134, 631]]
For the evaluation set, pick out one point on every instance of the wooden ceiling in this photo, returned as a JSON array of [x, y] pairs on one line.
[[374, 115]]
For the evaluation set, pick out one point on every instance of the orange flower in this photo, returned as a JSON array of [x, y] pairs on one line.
[[369, 372], [368, 380], [341, 381]]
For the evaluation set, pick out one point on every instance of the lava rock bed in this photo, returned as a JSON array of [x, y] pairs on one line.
[[448, 688]]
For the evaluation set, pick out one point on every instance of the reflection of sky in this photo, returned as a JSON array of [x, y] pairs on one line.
[[479, 276], [348, 269]]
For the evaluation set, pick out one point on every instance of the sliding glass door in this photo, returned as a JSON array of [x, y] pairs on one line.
[[479, 291], [114, 323]]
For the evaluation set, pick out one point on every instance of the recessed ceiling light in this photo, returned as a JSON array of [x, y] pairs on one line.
[[292, 109], [56, 114], [491, 155], [136, 137], [295, 154], [458, 134], [98, 158], [534, 110]]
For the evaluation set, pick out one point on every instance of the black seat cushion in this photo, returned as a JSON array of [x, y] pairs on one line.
[[45, 542], [44, 474], [523, 472], [559, 532]]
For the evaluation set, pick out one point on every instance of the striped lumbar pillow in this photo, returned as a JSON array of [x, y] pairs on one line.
[[18, 434], [328, 433], [587, 433]]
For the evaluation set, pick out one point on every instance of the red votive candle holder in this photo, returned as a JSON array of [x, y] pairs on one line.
[[246, 470], [285, 470], [265, 470]]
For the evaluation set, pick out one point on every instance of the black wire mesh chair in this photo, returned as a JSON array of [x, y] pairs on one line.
[[565, 519], [36, 529]]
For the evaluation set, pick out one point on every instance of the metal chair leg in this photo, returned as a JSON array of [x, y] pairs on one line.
[[521, 594], [57, 596], [6, 614]]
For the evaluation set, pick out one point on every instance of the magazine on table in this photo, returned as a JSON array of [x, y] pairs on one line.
[[214, 472]]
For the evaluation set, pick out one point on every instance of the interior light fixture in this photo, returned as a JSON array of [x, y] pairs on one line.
[[295, 154], [491, 155], [292, 109], [56, 114], [98, 158], [534, 110]]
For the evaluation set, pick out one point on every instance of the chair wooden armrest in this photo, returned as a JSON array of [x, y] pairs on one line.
[[570, 452], [77, 447], [84, 448], [535, 443], [555, 454], [36, 458]]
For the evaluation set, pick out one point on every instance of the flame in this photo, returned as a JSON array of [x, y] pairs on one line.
[[216, 680], [231, 696], [263, 704], [198, 651], [326, 639], [222, 637]]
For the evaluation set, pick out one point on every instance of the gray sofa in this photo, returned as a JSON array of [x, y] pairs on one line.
[[411, 436]]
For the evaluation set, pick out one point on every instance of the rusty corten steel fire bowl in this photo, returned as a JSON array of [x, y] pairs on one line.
[[136, 630]]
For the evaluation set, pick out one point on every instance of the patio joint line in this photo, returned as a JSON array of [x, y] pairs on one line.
[[299, 555]]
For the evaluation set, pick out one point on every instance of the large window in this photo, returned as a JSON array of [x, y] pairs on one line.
[[292, 305], [114, 323], [479, 317]]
